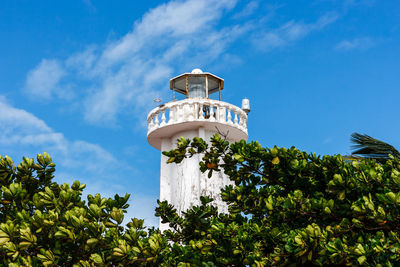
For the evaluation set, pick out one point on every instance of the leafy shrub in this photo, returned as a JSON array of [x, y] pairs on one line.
[[286, 208]]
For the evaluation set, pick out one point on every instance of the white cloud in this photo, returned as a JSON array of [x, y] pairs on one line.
[[125, 75], [355, 44], [18, 117], [19, 128], [248, 9], [290, 32], [83, 61], [90, 5], [42, 82], [351, 3], [23, 133], [133, 69]]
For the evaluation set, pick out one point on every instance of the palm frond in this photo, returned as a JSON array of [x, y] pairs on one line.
[[369, 147]]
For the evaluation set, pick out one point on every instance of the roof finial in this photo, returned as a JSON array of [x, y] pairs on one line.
[[197, 71]]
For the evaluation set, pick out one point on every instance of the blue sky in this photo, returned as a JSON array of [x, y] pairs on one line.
[[77, 78]]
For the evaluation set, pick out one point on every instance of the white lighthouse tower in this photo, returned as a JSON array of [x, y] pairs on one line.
[[197, 115]]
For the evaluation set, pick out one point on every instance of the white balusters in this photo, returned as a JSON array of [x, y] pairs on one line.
[[229, 116], [222, 114], [190, 111], [179, 113], [175, 114], [218, 111], [201, 111], [197, 110], [171, 115], [212, 113], [241, 117], [236, 118], [244, 127], [156, 120], [163, 119]]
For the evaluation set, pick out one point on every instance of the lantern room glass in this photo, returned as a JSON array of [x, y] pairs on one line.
[[197, 87]]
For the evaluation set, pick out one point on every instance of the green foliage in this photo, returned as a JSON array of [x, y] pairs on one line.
[[286, 208], [46, 224], [290, 208]]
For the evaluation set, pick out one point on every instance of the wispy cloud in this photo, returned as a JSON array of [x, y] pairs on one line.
[[20, 128], [89, 5], [43, 81], [363, 43], [249, 9], [22, 133], [290, 32], [126, 74], [123, 76], [133, 68], [351, 3]]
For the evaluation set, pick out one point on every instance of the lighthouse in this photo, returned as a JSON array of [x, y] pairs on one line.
[[200, 113]]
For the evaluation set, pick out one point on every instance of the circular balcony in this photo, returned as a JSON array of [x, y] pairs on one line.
[[171, 118]]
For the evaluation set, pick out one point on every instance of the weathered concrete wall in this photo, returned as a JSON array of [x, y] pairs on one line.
[[183, 184]]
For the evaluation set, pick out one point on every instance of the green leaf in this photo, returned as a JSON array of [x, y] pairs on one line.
[[3, 237], [361, 260], [275, 160], [92, 241], [238, 157], [96, 258]]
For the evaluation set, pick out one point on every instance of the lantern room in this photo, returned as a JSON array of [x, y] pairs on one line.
[[197, 84]]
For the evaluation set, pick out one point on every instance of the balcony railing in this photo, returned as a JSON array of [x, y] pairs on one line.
[[189, 110]]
